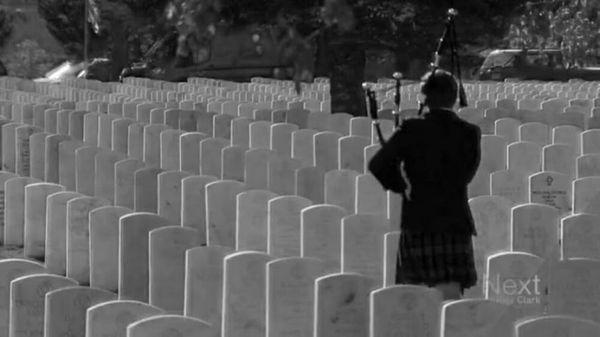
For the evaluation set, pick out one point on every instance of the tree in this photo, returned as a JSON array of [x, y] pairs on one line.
[[6, 25], [29, 60], [571, 26], [341, 32], [126, 28]]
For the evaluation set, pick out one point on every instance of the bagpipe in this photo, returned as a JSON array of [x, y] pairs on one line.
[[448, 40]]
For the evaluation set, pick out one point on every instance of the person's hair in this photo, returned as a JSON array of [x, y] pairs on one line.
[[440, 89]]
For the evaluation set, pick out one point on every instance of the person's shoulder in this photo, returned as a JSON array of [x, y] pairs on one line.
[[474, 128], [412, 122], [408, 128]]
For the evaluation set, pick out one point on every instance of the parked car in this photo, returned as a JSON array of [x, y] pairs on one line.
[[532, 64]]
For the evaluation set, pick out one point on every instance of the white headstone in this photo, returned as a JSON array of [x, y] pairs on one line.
[[232, 162], [588, 166], [525, 157], [281, 138], [321, 234], [551, 188], [559, 158], [492, 216], [371, 198], [124, 181], [475, 318], [556, 325], [221, 199], [135, 140], [167, 249], [171, 325], [11, 269], [67, 168], [112, 318], [535, 230], [78, 237], [340, 189], [244, 294], [51, 155], [145, 194], [14, 209], [23, 152], [493, 153], [260, 135], [534, 132], [210, 156], [169, 195], [363, 237], [133, 254], [193, 203], [290, 296], [326, 150], [27, 295], [284, 219], [37, 160], [252, 220], [9, 146], [518, 280], [282, 172], [586, 195], [310, 184], [590, 141], [342, 305], [65, 309], [104, 246], [405, 310], [240, 131], [56, 231], [507, 128], [573, 288], [35, 218], [204, 283], [351, 152], [85, 169], [169, 149], [4, 176], [580, 236], [510, 184], [256, 174], [569, 135], [303, 146], [152, 143], [189, 147]]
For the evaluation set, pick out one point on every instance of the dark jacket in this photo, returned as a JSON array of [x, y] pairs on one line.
[[440, 154]]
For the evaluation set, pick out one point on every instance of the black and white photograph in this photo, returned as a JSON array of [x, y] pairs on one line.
[[299, 168]]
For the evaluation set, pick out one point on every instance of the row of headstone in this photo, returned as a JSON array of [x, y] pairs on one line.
[[243, 264], [545, 187], [291, 284], [74, 157]]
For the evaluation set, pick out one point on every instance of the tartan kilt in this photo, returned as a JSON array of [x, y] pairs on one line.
[[434, 258]]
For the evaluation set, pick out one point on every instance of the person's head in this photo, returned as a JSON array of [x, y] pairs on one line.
[[440, 89]]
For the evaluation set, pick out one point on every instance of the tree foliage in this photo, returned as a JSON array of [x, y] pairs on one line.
[[6, 25], [142, 22], [571, 26], [30, 60], [409, 29]]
